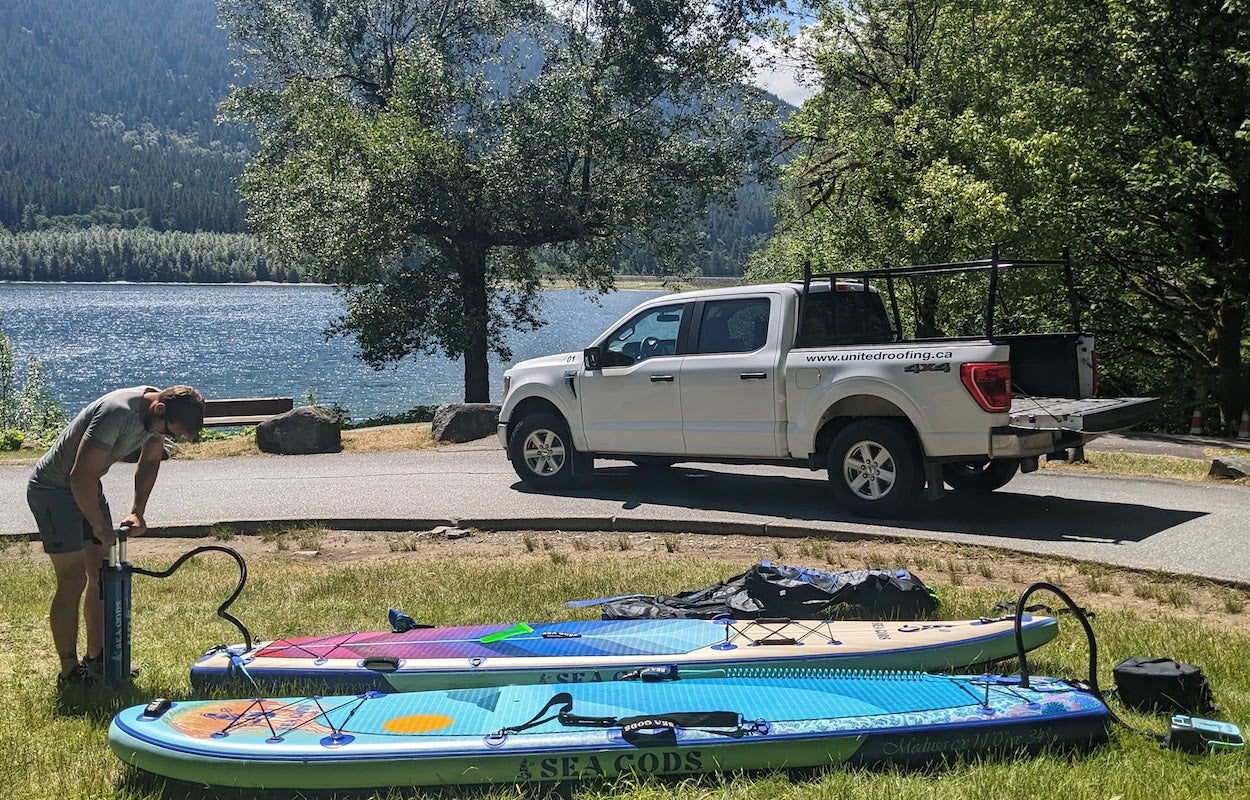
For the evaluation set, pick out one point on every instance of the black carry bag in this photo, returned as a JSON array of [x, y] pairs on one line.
[[778, 590], [1163, 685]]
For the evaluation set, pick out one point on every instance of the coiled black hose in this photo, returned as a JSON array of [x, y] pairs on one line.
[[221, 609]]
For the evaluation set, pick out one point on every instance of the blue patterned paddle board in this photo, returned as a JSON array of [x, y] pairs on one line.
[[747, 719]]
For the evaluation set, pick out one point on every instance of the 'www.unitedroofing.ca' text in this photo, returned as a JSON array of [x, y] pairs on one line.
[[881, 355]]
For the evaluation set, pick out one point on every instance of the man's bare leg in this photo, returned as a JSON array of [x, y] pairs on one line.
[[92, 604], [71, 581]]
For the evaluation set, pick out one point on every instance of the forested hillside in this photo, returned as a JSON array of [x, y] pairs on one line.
[[108, 117], [112, 103]]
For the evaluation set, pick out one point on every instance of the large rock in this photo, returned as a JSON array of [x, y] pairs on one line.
[[303, 430], [464, 422], [1230, 467]]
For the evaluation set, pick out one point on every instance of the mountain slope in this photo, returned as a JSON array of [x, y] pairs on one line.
[[112, 103]]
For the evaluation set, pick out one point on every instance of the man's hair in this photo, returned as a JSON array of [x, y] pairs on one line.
[[184, 406]]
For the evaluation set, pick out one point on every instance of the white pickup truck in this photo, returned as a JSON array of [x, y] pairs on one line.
[[815, 373]]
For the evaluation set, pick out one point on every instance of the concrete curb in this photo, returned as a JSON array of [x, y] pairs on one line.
[[607, 524]]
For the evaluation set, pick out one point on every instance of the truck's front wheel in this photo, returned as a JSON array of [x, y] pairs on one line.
[[875, 469], [542, 452], [979, 477]]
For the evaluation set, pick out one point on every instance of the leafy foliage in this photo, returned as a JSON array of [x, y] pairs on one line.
[[425, 155], [27, 412], [1115, 127]]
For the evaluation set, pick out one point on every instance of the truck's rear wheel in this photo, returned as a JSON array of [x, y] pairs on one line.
[[979, 477], [875, 469], [542, 452]]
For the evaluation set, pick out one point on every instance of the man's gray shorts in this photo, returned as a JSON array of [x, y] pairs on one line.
[[62, 527]]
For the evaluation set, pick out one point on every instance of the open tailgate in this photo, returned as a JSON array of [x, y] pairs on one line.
[[1090, 416]]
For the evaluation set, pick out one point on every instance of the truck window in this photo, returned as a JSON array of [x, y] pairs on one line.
[[733, 326], [651, 333], [846, 317]]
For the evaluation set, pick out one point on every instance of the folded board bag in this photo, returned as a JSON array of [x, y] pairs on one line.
[[780, 590]]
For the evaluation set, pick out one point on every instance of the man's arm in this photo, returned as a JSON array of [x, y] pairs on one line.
[[145, 478], [90, 464]]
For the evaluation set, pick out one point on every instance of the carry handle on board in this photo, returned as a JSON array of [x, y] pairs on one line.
[[115, 592]]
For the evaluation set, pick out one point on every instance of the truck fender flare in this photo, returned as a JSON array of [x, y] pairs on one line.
[[541, 398], [863, 397]]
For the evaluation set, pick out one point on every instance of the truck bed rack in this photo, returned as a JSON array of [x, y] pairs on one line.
[[993, 265]]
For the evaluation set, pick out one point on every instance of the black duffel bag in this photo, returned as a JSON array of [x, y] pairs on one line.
[[1163, 685]]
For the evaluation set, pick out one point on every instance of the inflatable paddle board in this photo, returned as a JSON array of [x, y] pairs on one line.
[[745, 719], [602, 650]]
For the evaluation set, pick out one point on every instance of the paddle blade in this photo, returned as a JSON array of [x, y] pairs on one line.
[[518, 629]]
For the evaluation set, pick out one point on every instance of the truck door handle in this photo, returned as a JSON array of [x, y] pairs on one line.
[[753, 376], [661, 378]]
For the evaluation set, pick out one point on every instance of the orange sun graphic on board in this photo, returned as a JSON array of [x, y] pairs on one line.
[[417, 723]]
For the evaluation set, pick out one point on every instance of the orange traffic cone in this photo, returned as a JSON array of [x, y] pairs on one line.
[[1243, 432], [1195, 424]]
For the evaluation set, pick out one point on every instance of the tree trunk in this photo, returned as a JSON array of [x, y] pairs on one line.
[[1230, 391], [472, 263], [926, 315]]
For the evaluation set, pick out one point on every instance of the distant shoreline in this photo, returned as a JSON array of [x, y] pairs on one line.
[[622, 282]]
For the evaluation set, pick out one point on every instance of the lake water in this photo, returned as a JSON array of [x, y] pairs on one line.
[[251, 340]]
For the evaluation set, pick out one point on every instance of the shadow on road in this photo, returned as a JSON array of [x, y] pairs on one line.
[[802, 498]]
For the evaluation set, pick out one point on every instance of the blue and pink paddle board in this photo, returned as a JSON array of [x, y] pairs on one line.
[[602, 650]]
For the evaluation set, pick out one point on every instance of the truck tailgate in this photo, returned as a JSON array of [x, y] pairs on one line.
[[1091, 415]]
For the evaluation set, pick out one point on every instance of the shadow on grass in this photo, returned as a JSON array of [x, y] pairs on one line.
[[97, 704]]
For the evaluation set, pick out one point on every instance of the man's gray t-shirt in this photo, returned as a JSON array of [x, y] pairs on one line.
[[113, 423]]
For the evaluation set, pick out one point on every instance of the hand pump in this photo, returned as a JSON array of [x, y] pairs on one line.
[[115, 577]]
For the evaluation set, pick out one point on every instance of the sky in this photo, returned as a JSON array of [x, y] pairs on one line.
[[784, 79], [778, 73]]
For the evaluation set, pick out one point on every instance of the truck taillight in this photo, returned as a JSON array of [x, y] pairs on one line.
[[989, 383]]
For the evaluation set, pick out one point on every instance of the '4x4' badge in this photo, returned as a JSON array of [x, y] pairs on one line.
[[943, 367]]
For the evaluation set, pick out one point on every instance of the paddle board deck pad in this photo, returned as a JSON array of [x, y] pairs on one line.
[[603, 650], [745, 720]]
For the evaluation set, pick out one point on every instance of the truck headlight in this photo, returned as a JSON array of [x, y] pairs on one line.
[[507, 384]]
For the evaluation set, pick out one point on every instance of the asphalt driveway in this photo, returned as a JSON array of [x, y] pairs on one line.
[[1174, 526]]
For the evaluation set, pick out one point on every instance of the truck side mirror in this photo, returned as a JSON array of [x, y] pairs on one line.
[[600, 357]]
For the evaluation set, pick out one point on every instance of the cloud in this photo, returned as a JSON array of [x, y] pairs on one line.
[[781, 72]]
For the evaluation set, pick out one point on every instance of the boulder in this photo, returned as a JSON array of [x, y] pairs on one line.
[[464, 422], [303, 430], [1230, 467]]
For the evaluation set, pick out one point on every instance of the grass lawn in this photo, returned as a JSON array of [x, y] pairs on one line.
[[311, 581]]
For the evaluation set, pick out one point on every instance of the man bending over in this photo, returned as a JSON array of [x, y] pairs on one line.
[[67, 498]]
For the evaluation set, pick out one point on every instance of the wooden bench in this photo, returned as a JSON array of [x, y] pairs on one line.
[[234, 411]]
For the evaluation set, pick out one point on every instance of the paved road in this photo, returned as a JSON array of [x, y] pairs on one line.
[[1195, 528]]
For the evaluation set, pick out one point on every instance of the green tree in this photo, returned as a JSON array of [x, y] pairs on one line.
[[1116, 127], [1168, 184], [29, 409], [421, 154], [890, 158]]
